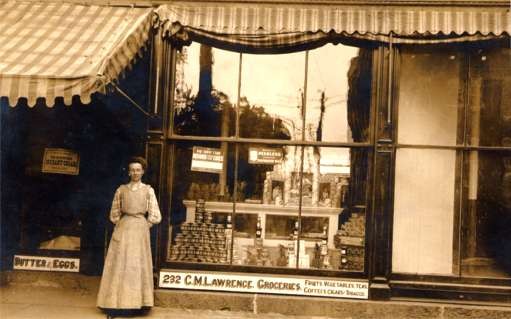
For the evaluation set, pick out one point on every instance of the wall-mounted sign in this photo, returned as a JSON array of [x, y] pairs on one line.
[[206, 159], [46, 263], [256, 283], [60, 161], [262, 155]]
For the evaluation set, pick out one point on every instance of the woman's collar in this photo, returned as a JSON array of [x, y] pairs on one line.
[[135, 185]]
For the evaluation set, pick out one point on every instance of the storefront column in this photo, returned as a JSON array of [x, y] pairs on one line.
[[380, 225], [161, 92]]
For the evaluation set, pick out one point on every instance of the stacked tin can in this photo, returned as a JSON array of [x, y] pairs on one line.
[[350, 240], [201, 240]]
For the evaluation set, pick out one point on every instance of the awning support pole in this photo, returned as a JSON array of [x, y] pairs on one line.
[[133, 102]]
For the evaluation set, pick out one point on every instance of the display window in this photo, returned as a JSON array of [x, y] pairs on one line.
[[278, 179], [451, 185]]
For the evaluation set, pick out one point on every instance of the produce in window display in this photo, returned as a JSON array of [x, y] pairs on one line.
[[211, 192], [350, 240]]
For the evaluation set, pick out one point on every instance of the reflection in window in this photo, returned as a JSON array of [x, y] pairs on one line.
[[339, 81], [428, 98], [206, 91], [486, 241], [424, 211], [490, 98], [273, 84]]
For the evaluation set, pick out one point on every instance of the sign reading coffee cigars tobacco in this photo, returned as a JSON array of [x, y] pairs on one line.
[[263, 155], [60, 161], [303, 286], [206, 159]]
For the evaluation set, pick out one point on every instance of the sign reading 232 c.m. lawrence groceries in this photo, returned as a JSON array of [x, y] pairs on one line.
[[265, 284], [46, 263]]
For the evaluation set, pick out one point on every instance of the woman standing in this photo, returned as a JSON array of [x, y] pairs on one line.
[[127, 281]]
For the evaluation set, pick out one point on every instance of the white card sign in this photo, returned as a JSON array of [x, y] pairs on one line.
[[46, 263], [256, 283], [206, 159]]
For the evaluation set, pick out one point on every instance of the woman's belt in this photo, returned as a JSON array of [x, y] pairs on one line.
[[137, 215]]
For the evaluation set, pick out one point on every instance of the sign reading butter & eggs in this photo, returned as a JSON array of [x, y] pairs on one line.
[[60, 161], [268, 284], [207, 159], [46, 263]]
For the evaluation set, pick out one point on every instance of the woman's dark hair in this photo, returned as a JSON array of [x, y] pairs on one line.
[[138, 159]]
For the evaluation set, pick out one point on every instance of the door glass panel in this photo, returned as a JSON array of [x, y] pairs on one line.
[[424, 204], [429, 88], [486, 240], [490, 98]]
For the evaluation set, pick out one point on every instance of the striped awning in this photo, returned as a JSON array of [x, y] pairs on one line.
[[400, 20], [55, 49]]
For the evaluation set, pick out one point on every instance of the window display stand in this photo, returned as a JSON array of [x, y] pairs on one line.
[[263, 210]]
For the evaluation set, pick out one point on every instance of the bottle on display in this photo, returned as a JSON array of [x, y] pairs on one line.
[[293, 246], [228, 237], [324, 246], [295, 230], [200, 208], [325, 261], [259, 229]]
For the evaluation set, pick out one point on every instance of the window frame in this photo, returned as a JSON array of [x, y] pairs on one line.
[[171, 139], [457, 286]]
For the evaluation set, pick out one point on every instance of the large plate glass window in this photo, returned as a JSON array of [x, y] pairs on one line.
[[289, 186], [452, 163]]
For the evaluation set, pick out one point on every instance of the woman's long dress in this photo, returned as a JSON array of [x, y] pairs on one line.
[[127, 281]]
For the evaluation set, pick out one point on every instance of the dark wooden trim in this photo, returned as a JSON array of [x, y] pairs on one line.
[[311, 272], [380, 229], [49, 253], [183, 138], [384, 132], [459, 179], [450, 280], [464, 293], [456, 147]]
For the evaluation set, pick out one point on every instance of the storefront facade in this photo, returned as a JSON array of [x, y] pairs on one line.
[[344, 150], [345, 141], [64, 143]]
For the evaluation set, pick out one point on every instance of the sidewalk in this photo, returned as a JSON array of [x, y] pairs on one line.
[[30, 295], [26, 302]]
